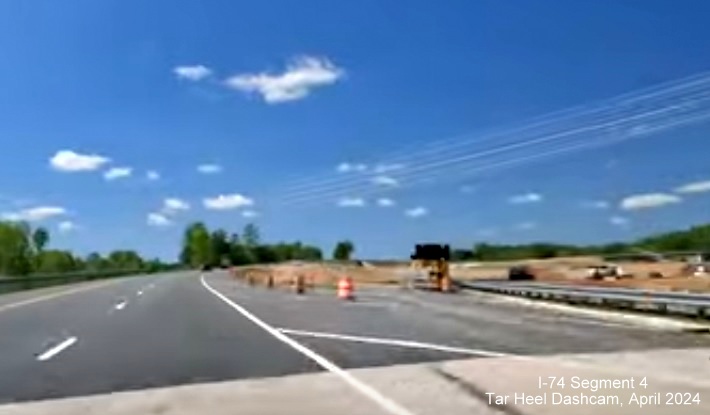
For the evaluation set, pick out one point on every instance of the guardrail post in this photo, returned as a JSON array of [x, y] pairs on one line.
[[663, 308]]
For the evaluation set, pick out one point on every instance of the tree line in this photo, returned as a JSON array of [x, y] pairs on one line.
[[696, 238], [202, 246], [23, 251]]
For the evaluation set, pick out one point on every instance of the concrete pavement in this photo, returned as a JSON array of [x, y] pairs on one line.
[[453, 387], [169, 330]]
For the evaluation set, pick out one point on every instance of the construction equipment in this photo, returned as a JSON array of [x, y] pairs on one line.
[[435, 258]]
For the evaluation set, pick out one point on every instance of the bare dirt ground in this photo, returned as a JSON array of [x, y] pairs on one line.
[[557, 270], [573, 271], [320, 275]]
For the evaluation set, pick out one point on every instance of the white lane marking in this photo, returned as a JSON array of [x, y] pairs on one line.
[[56, 349], [121, 305], [394, 342], [367, 390], [140, 293], [54, 295]]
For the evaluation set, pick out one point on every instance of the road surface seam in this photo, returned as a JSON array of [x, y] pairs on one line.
[[388, 404], [394, 342], [475, 392], [54, 295]]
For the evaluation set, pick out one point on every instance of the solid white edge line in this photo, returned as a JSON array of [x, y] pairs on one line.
[[386, 403], [56, 349], [55, 295], [394, 342]]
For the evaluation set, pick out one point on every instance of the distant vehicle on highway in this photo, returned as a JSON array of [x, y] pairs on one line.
[[206, 267]]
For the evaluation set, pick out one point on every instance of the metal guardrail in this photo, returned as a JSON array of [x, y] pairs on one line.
[[613, 290], [12, 284], [688, 304]]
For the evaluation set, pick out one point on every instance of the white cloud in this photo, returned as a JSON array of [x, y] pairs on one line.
[[158, 219], [596, 204], [526, 198], [416, 212], [385, 202], [117, 173], [386, 168], [351, 202], [250, 214], [35, 214], [385, 181], [301, 76], [152, 175], [192, 73], [172, 205], [526, 226], [66, 226], [209, 168], [351, 167], [648, 200], [695, 187], [226, 202], [70, 161], [618, 221]]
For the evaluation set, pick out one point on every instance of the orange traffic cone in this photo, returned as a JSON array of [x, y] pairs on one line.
[[346, 288]]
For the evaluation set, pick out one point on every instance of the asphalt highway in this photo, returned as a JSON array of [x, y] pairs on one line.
[[174, 329]]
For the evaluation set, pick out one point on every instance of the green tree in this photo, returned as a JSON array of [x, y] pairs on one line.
[[343, 250], [125, 260], [251, 235], [95, 262], [311, 253], [239, 253], [220, 248], [55, 261], [40, 238], [197, 246], [16, 253], [184, 256], [265, 254]]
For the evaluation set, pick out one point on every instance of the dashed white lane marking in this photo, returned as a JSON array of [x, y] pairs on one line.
[[367, 390], [57, 349], [121, 305], [140, 293], [394, 342], [54, 295]]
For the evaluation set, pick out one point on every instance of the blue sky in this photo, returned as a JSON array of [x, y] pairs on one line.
[[299, 103]]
